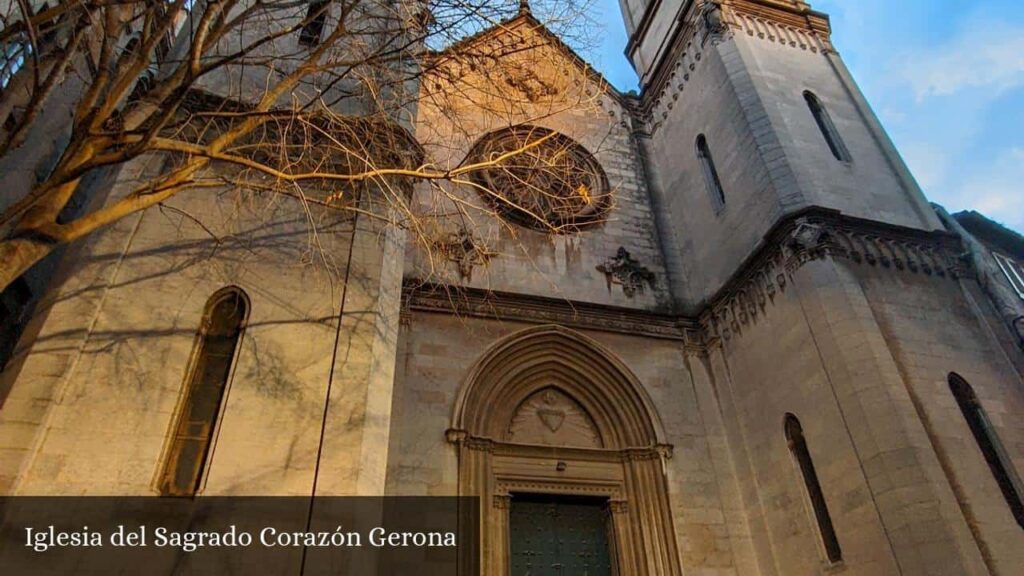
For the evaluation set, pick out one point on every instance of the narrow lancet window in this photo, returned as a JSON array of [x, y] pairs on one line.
[[815, 496], [313, 24], [13, 56], [222, 328], [828, 128], [711, 179], [991, 448]]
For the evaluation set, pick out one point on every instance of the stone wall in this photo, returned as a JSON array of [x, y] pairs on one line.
[[933, 330], [743, 88], [95, 387], [523, 260], [868, 351], [436, 354]]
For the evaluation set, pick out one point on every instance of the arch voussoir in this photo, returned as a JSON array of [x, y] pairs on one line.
[[554, 356]]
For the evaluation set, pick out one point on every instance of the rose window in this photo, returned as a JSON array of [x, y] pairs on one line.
[[540, 179]]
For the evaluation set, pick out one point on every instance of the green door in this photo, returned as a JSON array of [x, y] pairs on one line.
[[558, 536]]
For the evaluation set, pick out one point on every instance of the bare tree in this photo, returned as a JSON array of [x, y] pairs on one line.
[[313, 101]]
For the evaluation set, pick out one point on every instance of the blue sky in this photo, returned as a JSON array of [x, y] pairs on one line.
[[945, 76]]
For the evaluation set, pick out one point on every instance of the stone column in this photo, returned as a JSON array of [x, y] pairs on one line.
[[653, 531], [499, 533]]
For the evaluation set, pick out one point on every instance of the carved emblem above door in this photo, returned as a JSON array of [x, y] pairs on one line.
[[551, 418]]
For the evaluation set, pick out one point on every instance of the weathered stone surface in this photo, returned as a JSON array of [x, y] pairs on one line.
[[827, 290]]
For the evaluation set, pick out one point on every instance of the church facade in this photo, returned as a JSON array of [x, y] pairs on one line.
[[758, 350]]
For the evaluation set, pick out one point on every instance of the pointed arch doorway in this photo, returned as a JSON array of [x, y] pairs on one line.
[[558, 439]]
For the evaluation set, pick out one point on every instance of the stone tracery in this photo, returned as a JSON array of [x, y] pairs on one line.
[[541, 179]]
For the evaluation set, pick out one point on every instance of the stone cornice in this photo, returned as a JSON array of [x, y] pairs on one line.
[[815, 234], [776, 21], [478, 303], [802, 237], [496, 447]]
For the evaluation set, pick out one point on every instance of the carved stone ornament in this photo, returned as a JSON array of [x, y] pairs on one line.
[[627, 272], [807, 236], [552, 418], [821, 234], [502, 501], [466, 251], [713, 22]]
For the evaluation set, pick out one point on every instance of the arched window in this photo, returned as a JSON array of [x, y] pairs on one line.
[[218, 339], [816, 498], [13, 55], [828, 129], [132, 45], [711, 179], [313, 25], [991, 448]]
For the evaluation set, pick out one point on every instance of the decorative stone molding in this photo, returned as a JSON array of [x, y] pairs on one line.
[[454, 436], [671, 82], [624, 270], [479, 444], [571, 488], [798, 28], [618, 507], [809, 235], [658, 452], [523, 364], [593, 381], [502, 501], [465, 250], [471, 302], [818, 234]]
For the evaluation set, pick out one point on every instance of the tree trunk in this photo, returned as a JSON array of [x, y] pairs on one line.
[[18, 255]]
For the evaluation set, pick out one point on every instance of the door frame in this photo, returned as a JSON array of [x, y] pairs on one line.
[[642, 538], [625, 460]]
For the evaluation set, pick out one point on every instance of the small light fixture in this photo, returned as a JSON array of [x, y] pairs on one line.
[[561, 466]]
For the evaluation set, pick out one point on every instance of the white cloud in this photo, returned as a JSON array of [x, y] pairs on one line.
[[928, 164], [997, 191], [979, 56]]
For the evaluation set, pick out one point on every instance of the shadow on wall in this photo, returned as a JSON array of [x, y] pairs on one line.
[[250, 253]]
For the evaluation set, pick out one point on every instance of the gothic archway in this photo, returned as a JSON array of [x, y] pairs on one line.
[[549, 411]]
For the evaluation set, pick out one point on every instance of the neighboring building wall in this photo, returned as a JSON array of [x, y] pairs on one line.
[[998, 255]]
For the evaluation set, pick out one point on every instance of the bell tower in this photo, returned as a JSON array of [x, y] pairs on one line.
[[750, 116], [833, 303]]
